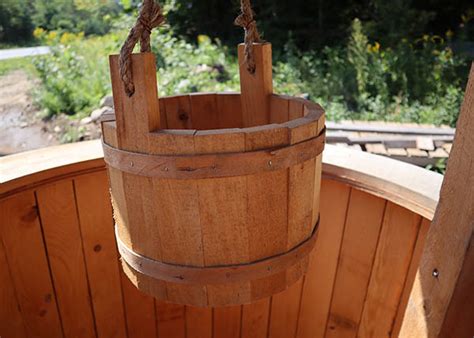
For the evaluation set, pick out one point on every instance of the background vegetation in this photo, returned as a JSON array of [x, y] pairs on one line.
[[403, 60]]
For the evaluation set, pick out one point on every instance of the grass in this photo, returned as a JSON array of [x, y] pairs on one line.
[[9, 65]]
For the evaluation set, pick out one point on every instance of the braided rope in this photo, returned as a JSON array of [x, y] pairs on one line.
[[151, 16], [247, 22]]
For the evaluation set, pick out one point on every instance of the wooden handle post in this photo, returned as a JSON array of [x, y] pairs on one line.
[[256, 87], [139, 114]]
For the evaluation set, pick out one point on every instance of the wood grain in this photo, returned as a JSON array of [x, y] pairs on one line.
[[319, 281], [139, 310], [415, 261], [285, 311], [97, 228], [63, 241], [256, 88], [171, 320], [227, 322], [255, 318], [361, 234], [22, 238], [198, 322], [449, 235], [11, 323], [392, 260], [458, 321]]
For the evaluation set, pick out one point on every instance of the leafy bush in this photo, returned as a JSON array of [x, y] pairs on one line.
[[421, 81], [88, 16], [75, 75], [15, 21]]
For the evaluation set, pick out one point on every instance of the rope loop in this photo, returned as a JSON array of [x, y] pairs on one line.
[[247, 22], [151, 16]]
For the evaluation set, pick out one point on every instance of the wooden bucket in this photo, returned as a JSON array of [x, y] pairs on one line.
[[215, 196]]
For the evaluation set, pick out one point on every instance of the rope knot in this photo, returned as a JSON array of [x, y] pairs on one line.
[[151, 16], [247, 22]]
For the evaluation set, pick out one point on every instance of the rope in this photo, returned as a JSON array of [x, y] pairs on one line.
[[151, 16], [247, 22]]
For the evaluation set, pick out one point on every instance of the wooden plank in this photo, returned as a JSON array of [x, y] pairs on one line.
[[458, 321], [425, 143], [285, 311], [256, 88], [449, 236], [255, 319], [267, 224], [448, 147], [176, 229], [225, 234], [227, 322], [267, 220], [178, 112], [279, 106], [171, 320], [139, 114], [139, 310], [319, 280], [295, 109], [198, 322], [414, 152], [11, 323], [439, 153], [97, 228], [392, 260], [303, 188], [361, 233], [376, 149], [229, 109], [63, 241], [224, 219], [378, 128], [23, 242], [176, 217], [415, 260], [204, 111], [397, 152]]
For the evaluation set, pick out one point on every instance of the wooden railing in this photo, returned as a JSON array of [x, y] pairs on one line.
[[60, 274]]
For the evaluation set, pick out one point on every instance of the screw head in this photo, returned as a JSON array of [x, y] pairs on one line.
[[435, 273], [270, 164]]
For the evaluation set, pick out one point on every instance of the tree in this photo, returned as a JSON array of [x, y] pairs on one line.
[[15, 21]]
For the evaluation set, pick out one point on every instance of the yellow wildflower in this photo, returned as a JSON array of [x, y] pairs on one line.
[[39, 32], [203, 39]]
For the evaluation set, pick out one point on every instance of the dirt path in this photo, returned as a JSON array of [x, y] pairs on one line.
[[20, 127]]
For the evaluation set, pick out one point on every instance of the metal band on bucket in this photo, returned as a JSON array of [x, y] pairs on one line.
[[213, 165], [182, 274]]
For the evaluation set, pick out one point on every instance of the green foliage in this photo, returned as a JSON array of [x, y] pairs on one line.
[[419, 82], [15, 20], [88, 16], [75, 75], [183, 67]]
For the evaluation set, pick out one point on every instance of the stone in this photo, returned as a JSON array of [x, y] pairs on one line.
[[107, 101], [98, 113], [85, 120]]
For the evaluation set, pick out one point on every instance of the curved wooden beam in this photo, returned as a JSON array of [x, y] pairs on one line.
[[414, 188]]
